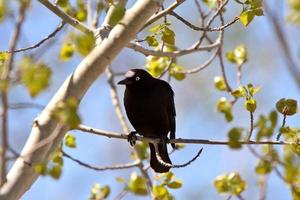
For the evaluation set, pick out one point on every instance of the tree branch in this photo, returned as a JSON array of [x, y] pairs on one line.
[[109, 134], [51, 35], [4, 93], [113, 167], [65, 17]]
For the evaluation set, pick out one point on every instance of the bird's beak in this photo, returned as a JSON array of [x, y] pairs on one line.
[[125, 81]]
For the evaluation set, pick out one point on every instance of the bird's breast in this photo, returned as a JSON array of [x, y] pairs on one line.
[[146, 112]]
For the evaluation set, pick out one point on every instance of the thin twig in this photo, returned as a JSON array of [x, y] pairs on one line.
[[113, 167], [4, 96], [282, 125], [173, 54], [163, 13], [115, 99], [208, 29], [65, 17], [51, 35], [262, 185], [109, 134], [25, 105], [251, 125], [220, 56]]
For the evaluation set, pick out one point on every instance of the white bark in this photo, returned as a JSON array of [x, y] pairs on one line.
[[21, 176]]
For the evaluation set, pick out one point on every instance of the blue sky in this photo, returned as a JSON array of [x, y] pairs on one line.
[[195, 99]]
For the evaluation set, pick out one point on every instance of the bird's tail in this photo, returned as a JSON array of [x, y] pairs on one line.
[[163, 153]]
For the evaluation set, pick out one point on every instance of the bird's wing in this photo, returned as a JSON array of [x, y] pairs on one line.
[[171, 110]]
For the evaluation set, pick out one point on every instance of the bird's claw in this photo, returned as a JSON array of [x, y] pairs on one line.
[[165, 140], [132, 138]]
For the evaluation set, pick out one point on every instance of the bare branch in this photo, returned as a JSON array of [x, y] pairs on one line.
[[208, 29], [65, 17], [178, 140], [25, 105], [173, 54], [4, 96], [163, 13], [113, 167], [51, 35]]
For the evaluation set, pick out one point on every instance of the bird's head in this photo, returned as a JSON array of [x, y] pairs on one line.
[[136, 77]]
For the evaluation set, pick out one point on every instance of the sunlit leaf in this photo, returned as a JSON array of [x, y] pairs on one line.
[[35, 76], [175, 184], [220, 83], [117, 14], [55, 171], [70, 140], [137, 185], [66, 51], [85, 43]]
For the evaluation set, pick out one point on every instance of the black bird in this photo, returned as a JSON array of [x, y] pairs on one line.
[[149, 105]]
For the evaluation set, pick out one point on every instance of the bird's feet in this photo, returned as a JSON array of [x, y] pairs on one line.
[[131, 138], [165, 140]]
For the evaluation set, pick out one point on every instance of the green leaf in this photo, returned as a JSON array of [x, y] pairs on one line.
[[70, 140], [250, 105], [81, 15], [3, 57], [176, 72], [120, 180], [175, 184], [152, 41], [137, 185], [142, 150], [117, 14], [85, 43], [230, 56], [293, 17], [55, 171], [156, 29], [234, 136], [62, 3], [237, 185], [168, 36], [220, 83], [287, 106], [41, 169], [230, 183], [35, 76], [3, 9], [221, 184], [252, 90], [57, 158], [98, 192], [211, 3], [66, 112], [246, 17], [225, 107], [240, 92], [159, 191], [294, 4], [66, 51], [240, 54], [263, 167], [273, 116]]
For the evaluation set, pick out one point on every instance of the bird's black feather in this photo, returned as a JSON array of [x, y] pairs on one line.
[[149, 105]]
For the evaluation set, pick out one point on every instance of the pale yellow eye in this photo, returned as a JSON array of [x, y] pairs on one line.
[[137, 78]]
